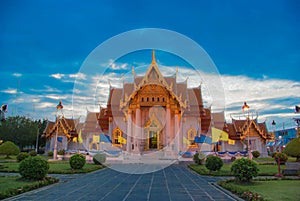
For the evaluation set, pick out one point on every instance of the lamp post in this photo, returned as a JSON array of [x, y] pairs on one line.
[[246, 108]]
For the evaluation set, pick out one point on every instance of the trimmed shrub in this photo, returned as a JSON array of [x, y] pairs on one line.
[[292, 148], [199, 158], [9, 148], [34, 168], [244, 169], [61, 152], [50, 154], [255, 154], [99, 159], [32, 153], [77, 161], [282, 158], [21, 156], [213, 163]]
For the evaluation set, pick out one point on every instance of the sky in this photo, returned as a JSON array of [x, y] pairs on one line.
[[254, 45]]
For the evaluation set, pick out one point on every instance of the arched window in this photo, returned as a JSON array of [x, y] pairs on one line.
[[116, 134], [153, 99], [142, 99], [192, 133], [157, 99]]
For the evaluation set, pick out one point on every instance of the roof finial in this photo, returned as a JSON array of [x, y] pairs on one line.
[[153, 57]]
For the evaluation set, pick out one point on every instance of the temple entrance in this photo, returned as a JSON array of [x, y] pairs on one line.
[[153, 139]]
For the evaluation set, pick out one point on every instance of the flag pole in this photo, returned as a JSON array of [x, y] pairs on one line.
[[56, 134]]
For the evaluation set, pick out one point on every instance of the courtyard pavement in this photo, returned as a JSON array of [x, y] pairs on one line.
[[174, 183]]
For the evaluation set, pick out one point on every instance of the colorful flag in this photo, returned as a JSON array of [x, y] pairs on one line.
[[218, 134], [74, 139], [59, 106], [79, 137], [208, 140], [122, 140], [96, 138], [186, 141], [232, 142], [297, 109], [59, 139]]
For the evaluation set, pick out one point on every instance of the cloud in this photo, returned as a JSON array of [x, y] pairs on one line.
[[17, 74], [10, 91], [57, 76], [116, 66], [79, 76]]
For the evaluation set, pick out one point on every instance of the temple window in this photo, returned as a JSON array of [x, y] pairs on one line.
[[116, 134], [142, 99], [163, 99], [147, 99], [157, 99], [153, 99], [191, 137]]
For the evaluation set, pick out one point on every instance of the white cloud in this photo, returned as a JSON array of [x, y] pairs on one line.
[[79, 76], [17, 74], [116, 66], [57, 76], [10, 91]]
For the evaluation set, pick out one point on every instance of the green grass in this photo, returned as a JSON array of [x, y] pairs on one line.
[[264, 170], [11, 186], [287, 190], [56, 167]]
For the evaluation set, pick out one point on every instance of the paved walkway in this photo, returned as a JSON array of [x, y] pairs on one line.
[[174, 183]]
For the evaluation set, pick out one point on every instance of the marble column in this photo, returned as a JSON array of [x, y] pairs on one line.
[[129, 131], [168, 125], [176, 137], [138, 130]]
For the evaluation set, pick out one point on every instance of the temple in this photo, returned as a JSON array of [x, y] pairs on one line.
[[157, 113]]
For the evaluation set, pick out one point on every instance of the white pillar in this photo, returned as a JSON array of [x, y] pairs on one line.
[[129, 131], [176, 129], [110, 127], [138, 131], [168, 125]]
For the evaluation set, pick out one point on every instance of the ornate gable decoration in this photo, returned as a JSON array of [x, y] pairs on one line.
[[152, 76]]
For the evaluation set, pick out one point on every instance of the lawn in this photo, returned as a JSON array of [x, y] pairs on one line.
[[264, 170], [11, 186], [56, 167], [287, 190]]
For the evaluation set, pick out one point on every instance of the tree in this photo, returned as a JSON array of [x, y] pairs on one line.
[[9, 148], [22, 131], [293, 148]]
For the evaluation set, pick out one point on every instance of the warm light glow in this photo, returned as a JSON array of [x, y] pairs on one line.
[[245, 107]]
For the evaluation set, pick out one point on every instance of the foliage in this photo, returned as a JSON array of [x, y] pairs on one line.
[[244, 169], [199, 158], [293, 148], [23, 131], [77, 161], [214, 163], [21, 156], [99, 159], [9, 148], [15, 185], [50, 154], [61, 152], [34, 168], [32, 153], [255, 154], [281, 156]]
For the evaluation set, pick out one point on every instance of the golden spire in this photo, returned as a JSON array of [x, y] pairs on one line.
[[153, 57]]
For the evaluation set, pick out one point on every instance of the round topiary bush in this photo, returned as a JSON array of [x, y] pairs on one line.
[[199, 158], [255, 154], [34, 168], [244, 169], [32, 153], [77, 161], [9, 148], [213, 163], [282, 158], [293, 148], [99, 159], [21, 156], [50, 154]]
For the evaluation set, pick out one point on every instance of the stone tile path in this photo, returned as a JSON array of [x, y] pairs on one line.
[[174, 183]]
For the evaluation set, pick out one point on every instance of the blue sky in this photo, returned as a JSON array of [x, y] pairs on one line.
[[254, 45]]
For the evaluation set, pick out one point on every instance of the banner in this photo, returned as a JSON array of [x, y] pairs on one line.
[[218, 134], [96, 138]]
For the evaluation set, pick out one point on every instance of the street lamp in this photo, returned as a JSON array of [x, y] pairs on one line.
[[246, 108]]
